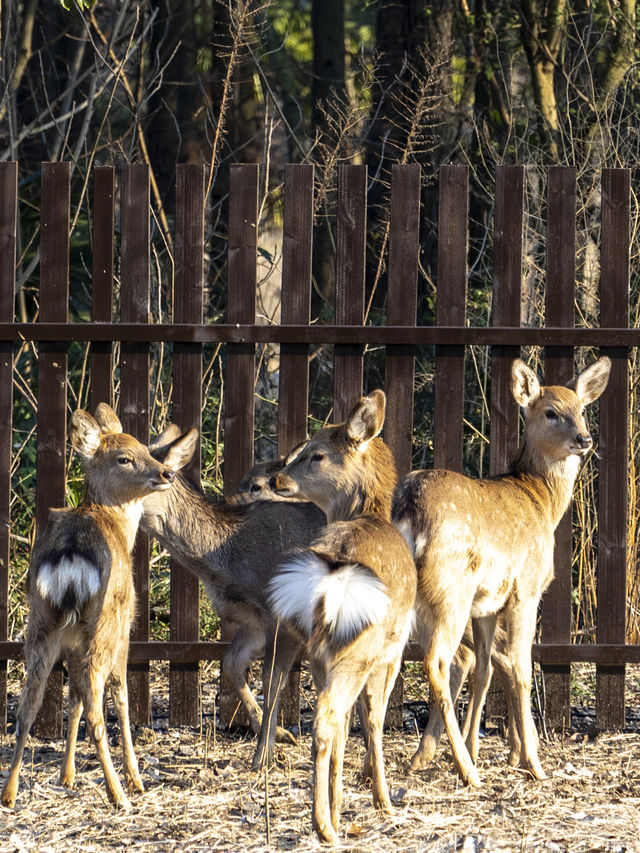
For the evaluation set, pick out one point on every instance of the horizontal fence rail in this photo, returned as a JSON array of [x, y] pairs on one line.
[[240, 333]]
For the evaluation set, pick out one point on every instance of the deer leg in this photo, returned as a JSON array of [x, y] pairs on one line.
[[246, 646], [40, 661], [120, 698], [460, 666], [520, 626], [281, 650], [68, 768], [92, 690], [503, 669], [376, 696], [483, 631], [336, 788], [437, 664]]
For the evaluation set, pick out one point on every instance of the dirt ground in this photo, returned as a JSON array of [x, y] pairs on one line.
[[201, 795]]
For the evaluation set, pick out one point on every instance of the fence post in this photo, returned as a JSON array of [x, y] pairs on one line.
[[187, 412], [559, 311], [505, 307], [52, 384], [293, 391], [134, 393], [8, 233], [350, 273], [102, 283], [240, 370], [402, 306], [613, 448]]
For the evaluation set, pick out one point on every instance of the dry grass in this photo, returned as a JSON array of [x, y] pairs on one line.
[[201, 795]]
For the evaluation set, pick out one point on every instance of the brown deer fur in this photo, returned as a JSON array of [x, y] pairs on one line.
[[235, 550], [81, 596], [485, 547], [349, 596]]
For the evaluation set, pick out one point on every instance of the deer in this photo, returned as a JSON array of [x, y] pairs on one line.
[[349, 595], [235, 549], [82, 600], [484, 549]]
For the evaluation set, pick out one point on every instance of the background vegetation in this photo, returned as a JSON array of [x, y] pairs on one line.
[[325, 82]]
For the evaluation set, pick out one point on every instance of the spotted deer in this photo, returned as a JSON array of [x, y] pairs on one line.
[[81, 596], [485, 547], [349, 595], [235, 549]]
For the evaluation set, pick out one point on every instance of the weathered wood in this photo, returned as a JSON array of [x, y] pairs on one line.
[[8, 235], [559, 303], [135, 393], [240, 367], [613, 448], [102, 282], [350, 272], [51, 454], [451, 297], [187, 408]]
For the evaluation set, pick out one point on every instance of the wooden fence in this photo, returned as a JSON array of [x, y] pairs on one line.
[[53, 332]]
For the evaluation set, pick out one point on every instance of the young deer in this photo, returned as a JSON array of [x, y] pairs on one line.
[[349, 596], [81, 596], [485, 547], [235, 550]]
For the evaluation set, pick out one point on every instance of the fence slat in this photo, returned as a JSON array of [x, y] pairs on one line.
[[8, 233], [51, 454], [187, 412], [293, 394], [450, 311], [613, 448], [350, 273], [102, 283], [240, 368], [134, 393], [559, 304], [505, 306]]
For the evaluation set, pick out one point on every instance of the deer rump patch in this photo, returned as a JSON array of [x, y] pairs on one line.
[[67, 580], [338, 599]]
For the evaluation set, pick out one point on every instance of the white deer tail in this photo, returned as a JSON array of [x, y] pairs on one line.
[[312, 594], [68, 584]]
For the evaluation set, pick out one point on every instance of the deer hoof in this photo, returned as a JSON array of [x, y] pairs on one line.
[[284, 736]]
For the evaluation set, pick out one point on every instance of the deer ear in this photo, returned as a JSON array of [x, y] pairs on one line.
[[367, 417], [107, 418], [524, 384], [589, 384], [85, 433], [176, 454], [166, 437]]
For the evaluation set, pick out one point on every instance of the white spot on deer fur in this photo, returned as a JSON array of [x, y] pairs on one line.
[[421, 544], [352, 596], [73, 573]]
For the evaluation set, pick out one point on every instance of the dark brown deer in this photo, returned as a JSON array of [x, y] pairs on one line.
[[81, 596], [235, 550], [485, 547], [349, 596]]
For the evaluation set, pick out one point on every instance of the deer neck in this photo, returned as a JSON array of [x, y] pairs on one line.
[[372, 488], [554, 479], [127, 515]]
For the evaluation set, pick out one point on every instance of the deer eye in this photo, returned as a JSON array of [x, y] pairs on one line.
[[317, 457], [125, 460], [551, 415]]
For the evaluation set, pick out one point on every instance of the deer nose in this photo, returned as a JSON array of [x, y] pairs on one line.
[[584, 440], [169, 475]]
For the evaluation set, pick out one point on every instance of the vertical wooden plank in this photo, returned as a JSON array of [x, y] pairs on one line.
[[102, 283], [134, 393], [241, 308], [350, 275], [240, 367], [507, 287], [8, 232], [559, 305], [450, 311], [613, 448], [293, 394], [51, 456], [187, 409], [402, 306]]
